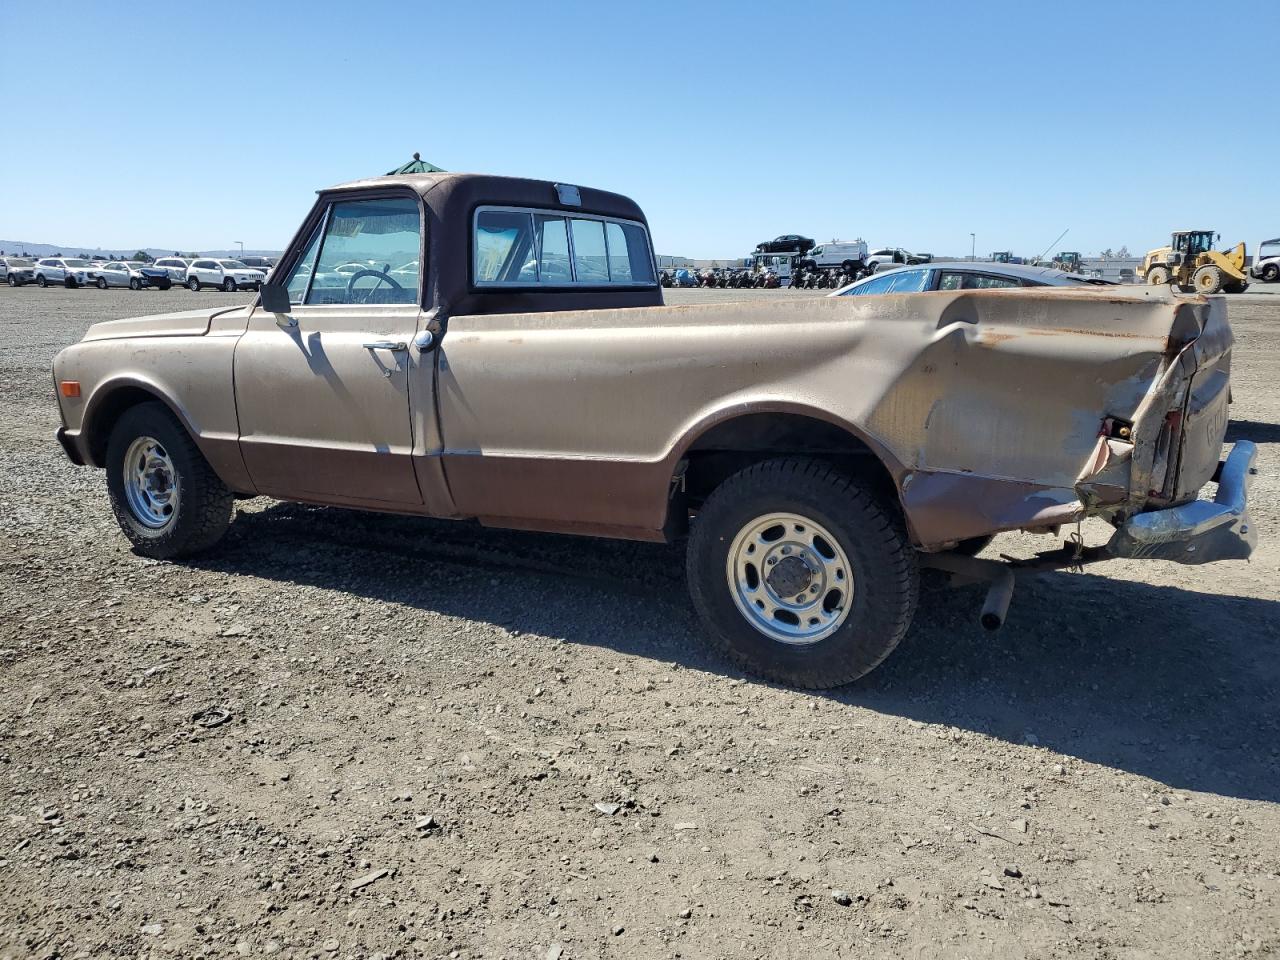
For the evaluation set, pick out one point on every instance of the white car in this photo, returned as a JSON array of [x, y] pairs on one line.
[[68, 271], [176, 267], [228, 275], [1266, 262]]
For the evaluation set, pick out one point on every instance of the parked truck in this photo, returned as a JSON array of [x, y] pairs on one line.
[[514, 364]]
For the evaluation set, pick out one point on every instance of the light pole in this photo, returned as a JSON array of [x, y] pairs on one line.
[[241, 242], [973, 246]]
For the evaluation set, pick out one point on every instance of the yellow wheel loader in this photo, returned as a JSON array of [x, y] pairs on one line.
[[1191, 262]]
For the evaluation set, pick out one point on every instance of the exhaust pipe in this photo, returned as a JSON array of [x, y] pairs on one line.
[[965, 569], [996, 607]]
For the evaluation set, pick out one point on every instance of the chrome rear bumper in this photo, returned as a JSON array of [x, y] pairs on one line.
[[1201, 531]]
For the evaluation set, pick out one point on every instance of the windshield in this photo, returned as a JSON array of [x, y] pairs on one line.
[[76, 263], [233, 264]]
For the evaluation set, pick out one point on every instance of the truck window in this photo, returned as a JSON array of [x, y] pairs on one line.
[[519, 247], [590, 259], [384, 239]]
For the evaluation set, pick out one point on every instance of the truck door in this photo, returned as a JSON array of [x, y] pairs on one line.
[[323, 392]]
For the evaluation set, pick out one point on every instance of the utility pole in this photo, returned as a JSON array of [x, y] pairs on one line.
[[973, 246], [241, 242]]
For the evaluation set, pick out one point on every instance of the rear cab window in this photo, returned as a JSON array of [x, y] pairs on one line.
[[526, 247]]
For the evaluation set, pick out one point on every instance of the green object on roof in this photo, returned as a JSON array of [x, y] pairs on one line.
[[416, 165]]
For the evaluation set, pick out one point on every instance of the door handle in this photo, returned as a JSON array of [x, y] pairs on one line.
[[393, 345]]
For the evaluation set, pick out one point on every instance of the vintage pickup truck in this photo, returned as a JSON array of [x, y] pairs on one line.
[[497, 349]]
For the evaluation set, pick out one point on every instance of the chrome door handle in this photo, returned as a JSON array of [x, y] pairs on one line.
[[394, 345]]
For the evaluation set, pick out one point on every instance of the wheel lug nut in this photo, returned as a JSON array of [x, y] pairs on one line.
[[772, 561]]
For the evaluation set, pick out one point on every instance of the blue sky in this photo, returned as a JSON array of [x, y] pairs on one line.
[[906, 123]]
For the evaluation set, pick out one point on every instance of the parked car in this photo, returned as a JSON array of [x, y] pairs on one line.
[[68, 271], [226, 275], [1266, 261], [133, 274], [877, 259], [264, 264], [787, 243], [965, 275], [17, 271], [816, 453], [175, 267]]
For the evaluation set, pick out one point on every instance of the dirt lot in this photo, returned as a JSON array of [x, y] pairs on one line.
[[449, 742]]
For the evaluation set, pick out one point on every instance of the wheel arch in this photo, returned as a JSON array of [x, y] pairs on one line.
[[730, 440], [108, 404]]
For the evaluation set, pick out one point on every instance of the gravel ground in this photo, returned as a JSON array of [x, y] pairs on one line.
[[442, 741]]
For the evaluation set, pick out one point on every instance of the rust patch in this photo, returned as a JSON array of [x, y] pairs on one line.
[[991, 337]]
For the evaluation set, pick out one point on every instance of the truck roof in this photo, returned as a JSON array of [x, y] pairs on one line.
[[451, 200]]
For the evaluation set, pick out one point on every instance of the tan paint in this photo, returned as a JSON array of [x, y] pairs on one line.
[[984, 406]]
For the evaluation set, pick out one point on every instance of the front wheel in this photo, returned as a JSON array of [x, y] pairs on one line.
[[165, 496], [135, 283], [13, 280], [193, 284], [1157, 276], [101, 283], [42, 281], [228, 285], [165, 284], [1271, 273], [801, 574]]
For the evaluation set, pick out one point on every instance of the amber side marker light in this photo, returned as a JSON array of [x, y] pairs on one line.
[[70, 388]]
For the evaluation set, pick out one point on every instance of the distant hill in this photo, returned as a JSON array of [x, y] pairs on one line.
[[18, 247]]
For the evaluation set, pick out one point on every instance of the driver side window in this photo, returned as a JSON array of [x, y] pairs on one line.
[[370, 253]]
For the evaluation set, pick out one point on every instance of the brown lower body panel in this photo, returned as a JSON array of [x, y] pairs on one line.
[[610, 498], [943, 507]]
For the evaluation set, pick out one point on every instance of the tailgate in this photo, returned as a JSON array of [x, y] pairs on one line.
[[1205, 412]]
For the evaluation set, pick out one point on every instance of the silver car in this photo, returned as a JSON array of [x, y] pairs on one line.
[[176, 267], [133, 274], [964, 275], [17, 271]]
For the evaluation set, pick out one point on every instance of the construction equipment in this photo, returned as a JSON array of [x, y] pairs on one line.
[[1191, 262], [1068, 261]]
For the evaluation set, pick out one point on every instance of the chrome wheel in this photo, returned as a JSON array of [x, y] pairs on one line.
[[150, 483], [790, 578]]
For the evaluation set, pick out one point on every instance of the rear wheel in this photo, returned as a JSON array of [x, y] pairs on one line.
[[193, 284], [1207, 279], [165, 496], [228, 285], [800, 574], [1157, 276]]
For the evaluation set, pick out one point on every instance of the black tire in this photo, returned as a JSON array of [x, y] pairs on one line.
[[869, 532], [194, 284], [69, 283], [165, 284], [204, 506], [101, 283], [135, 283], [1270, 273], [14, 281], [41, 281], [228, 285]]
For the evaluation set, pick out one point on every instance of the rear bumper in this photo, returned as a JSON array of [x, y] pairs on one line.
[[1201, 531]]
